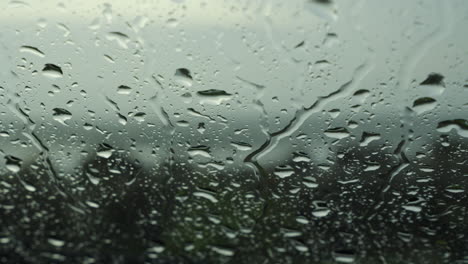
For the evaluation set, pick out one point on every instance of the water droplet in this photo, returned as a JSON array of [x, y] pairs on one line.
[[92, 204], [455, 189], [172, 22], [338, 132], [321, 209], [56, 242], [119, 37], [157, 249], [123, 89], [424, 104], [210, 197], [433, 79], [283, 171], [140, 117], [361, 95], [32, 50], [326, 2], [213, 96], [183, 77], [412, 208], [300, 44], [104, 151], [301, 157], [460, 125], [368, 138], [320, 212], [13, 163], [310, 182], [344, 256], [52, 71], [241, 146], [203, 151], [4, 240], [302, 220], [61, 115], [434, 84], [223, 251]]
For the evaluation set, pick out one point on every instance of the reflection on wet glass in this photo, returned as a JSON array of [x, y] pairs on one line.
[[299, 131]]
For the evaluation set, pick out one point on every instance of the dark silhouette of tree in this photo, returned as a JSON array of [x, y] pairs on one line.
[[117, 210]]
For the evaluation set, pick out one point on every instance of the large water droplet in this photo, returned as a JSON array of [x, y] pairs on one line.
[[183, 77], [460, 125], [123, 89], [32, 50], [213, 96], [338, 132], [13, 163], [52, 71], [104, 151], [61, 115], [283, 171], [424, 104]]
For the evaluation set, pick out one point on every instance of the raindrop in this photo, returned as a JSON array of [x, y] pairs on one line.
[[56, 242], [52, 71], [368, 138], [140, 117], [13, 163], [454, 189], [241, 146], [310, 182], [201, 128], [28, 187], [434, 84], [344, 256], [4, 240], [424, 104], [334, 113], [210, 197], [157, 249], [302, 220], [172, 22], [301, 157], [412, 208], [183, 77], [94, 180], [361, 95], [202, 151], [321, 209], [223, 251], [121, 39], [327, 2], [322, 212], [122, 119], [300, 44], [104, 151], [213, 96], [433, 79], [460, 125], [92, 204], [61, 115], [338, 132], [32, 50], [283, 171], [123, 89]]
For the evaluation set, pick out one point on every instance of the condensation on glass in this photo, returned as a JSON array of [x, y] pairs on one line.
[[246, 131]]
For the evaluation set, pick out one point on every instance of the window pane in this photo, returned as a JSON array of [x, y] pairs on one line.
[[301, 131]]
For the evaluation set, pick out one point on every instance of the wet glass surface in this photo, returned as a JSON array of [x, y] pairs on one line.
[[267, 131]]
